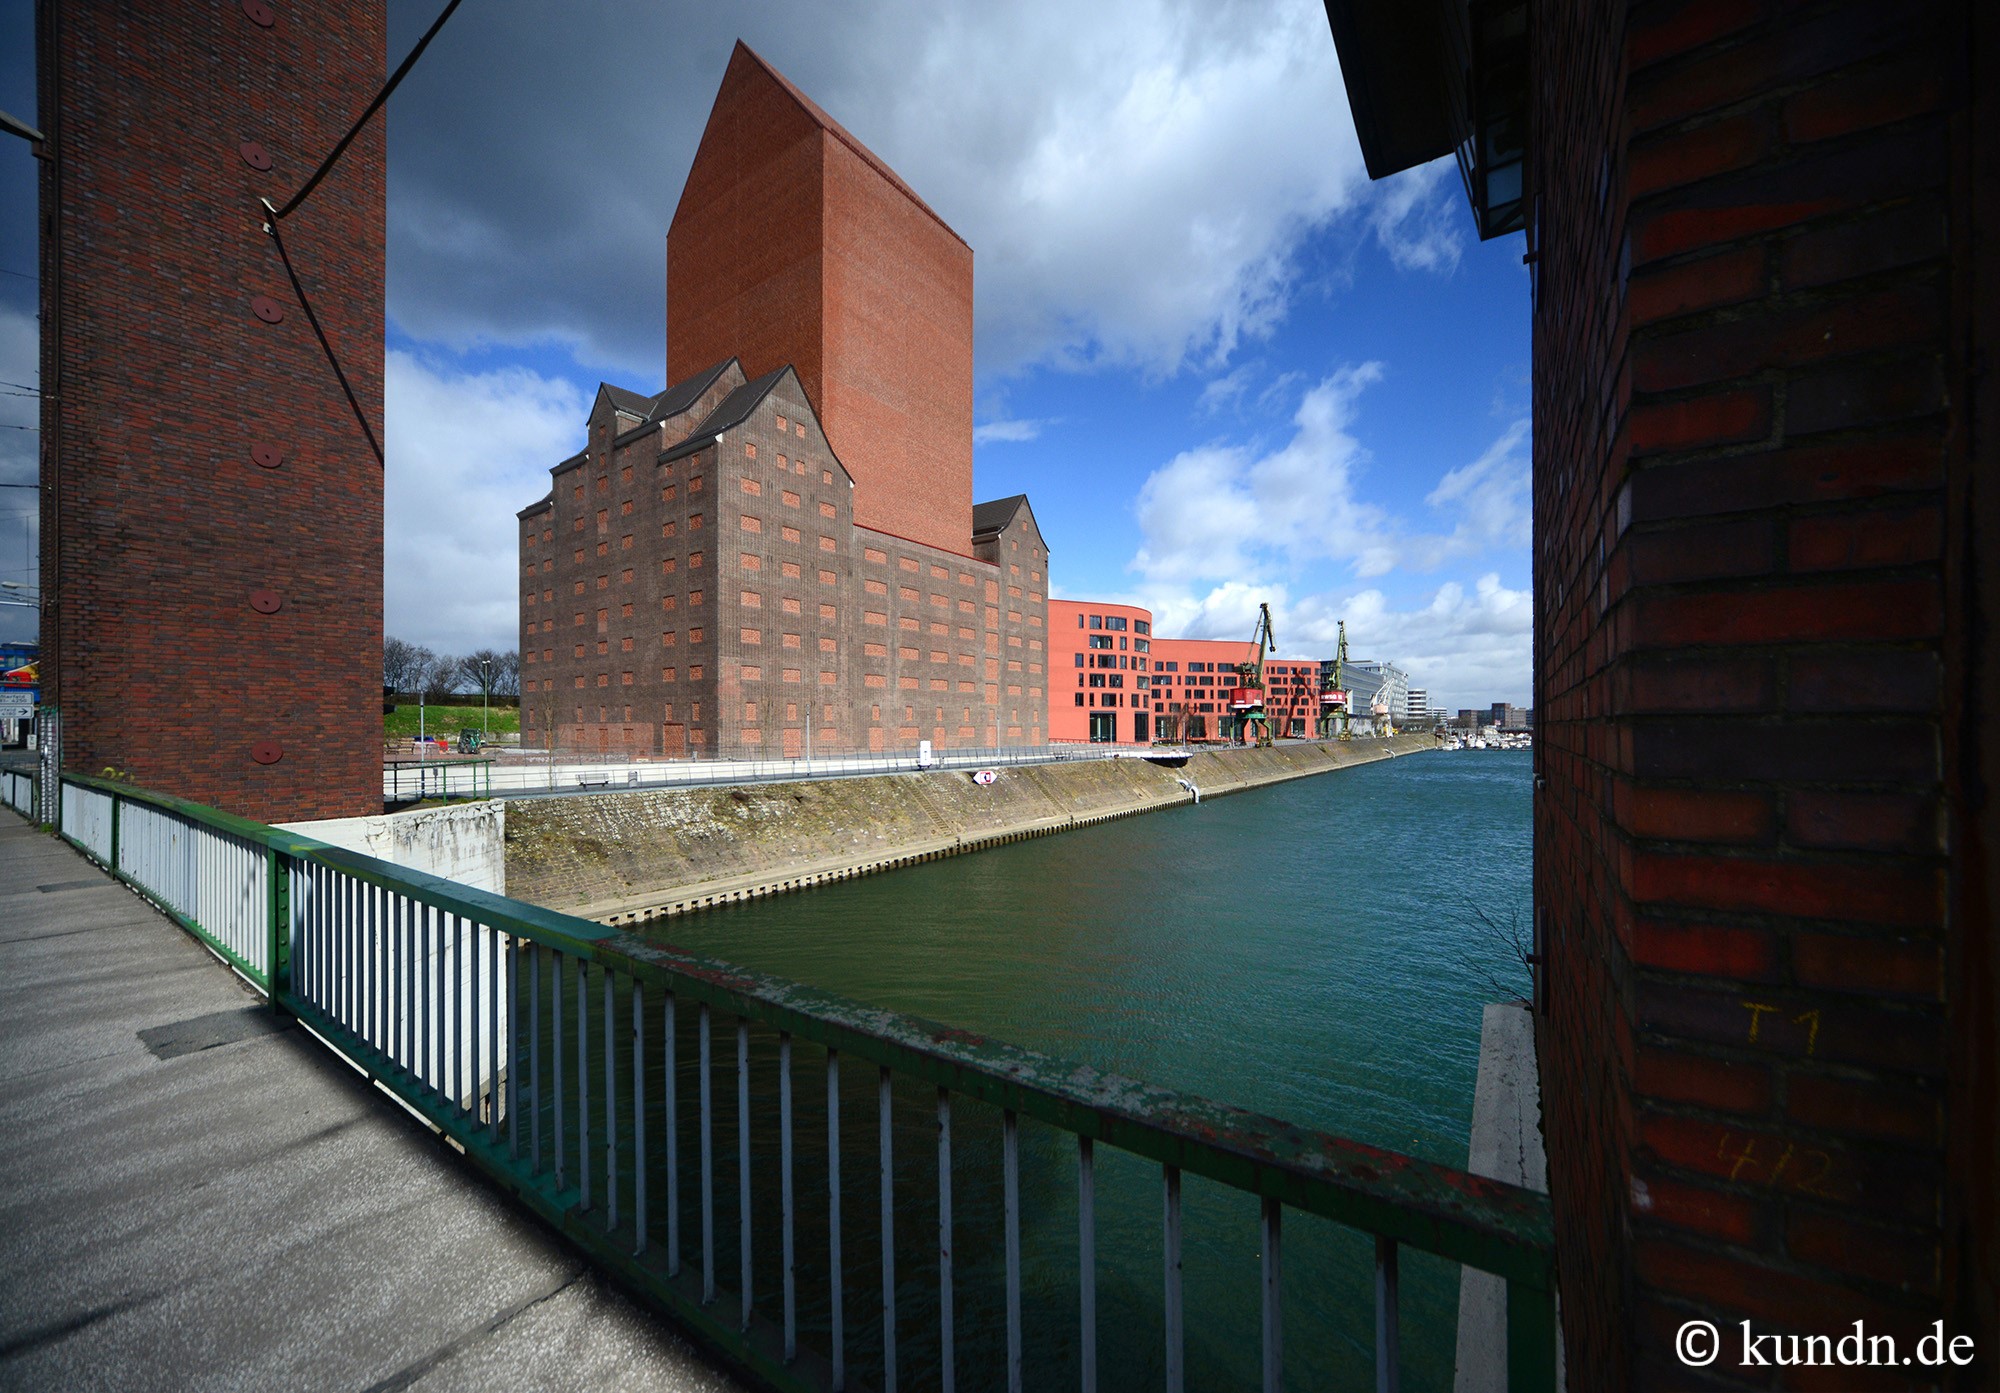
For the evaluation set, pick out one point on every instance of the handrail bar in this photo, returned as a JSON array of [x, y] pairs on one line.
[[418, 982], [1497, 1227]]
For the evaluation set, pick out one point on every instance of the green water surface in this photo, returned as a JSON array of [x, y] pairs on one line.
[[1311, 949]]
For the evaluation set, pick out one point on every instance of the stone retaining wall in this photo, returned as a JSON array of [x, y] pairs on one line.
[[627, 857]]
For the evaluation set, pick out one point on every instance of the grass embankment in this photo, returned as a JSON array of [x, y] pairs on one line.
[[449, 720]]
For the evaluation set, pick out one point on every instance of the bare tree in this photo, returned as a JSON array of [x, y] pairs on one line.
[[405, 665], [492, 672], [1514, 943], [442, 676]]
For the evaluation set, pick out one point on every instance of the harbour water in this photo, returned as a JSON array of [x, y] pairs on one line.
[[1318, 950]]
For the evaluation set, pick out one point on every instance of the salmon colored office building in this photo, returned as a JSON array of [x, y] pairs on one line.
[[1100, 673], [1113, 680], [1192, 678]]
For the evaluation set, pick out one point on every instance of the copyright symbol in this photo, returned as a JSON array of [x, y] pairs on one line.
[[1697, 1343]]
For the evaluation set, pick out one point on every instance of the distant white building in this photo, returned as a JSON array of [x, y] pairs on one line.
[[1375, 683], [1419, 707]]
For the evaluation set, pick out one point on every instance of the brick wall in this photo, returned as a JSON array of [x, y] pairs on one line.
[[722, 601], [212, 526], [792, 244], [1744, 444]]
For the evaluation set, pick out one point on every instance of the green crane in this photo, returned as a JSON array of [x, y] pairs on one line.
[[1246, 702], [1334, 700]]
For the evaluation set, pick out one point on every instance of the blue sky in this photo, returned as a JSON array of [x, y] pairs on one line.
[[1224, 366]]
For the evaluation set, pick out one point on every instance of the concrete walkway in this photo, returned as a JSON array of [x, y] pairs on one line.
[[193, 1198]]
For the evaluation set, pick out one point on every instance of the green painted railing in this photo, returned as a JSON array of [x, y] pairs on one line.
[[411, 780], [553, 1050]]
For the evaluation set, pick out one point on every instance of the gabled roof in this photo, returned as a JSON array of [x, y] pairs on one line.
[[666, 404], [835, 129], [992, 518], [675, 400], [685, 393], [734, 411], [631, 403]]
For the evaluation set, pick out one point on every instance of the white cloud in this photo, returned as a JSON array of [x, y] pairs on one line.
[[1490, 495], [466, 452], [1007, 432], [1135, 176], [1211, 510], [1228, 526], [20, 405], [1227, 390], [1224, 510], [1464, 646], [1228, 610], [1417, 222]]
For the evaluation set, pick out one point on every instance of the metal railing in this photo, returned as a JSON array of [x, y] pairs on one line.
[[587, 1070], [17, 791], [535, 773], [409, 780]]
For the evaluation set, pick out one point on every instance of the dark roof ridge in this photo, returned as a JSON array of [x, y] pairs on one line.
[[996, 514], [624, 398], [733, 411], [674, 401]]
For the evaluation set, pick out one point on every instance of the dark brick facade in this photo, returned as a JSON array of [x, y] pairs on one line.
[[1762, 575], [781, 552], [682, 595], [794, 245], [212, 624]]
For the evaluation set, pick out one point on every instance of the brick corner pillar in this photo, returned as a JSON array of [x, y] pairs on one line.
[[1765, 572], [212, 510]]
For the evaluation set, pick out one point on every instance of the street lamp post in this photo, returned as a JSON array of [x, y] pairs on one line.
[[485, 691]]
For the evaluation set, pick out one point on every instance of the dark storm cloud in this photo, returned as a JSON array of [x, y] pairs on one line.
[[1134, 176]]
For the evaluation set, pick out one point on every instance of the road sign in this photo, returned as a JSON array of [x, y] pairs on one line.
[[17, 706]]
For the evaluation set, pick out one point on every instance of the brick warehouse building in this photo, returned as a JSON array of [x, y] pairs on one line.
[[1767, 568], [212, 512], [780, 551]]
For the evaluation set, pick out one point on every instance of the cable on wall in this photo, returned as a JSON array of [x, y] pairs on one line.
[[382, 96], [319, 333], [277, 215]]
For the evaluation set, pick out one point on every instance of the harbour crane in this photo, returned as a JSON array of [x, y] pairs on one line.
[[1246, 699], [1333, 699]]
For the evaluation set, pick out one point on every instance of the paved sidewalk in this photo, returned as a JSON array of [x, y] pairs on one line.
[[193, 1198]]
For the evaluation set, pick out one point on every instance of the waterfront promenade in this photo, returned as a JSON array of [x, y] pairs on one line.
[[197, 1198]]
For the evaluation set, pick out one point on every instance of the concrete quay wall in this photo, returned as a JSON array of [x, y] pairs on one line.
[[623, 858]]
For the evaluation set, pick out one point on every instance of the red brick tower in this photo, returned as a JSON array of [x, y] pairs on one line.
[[794, 244], [212, 512], [1761, 578], [1767, 573]]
